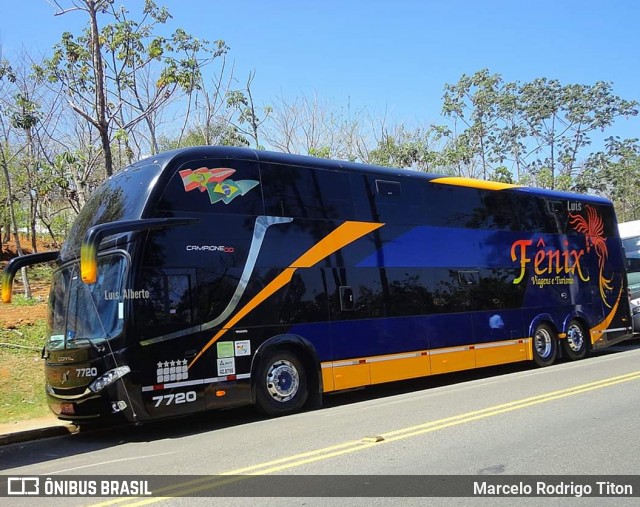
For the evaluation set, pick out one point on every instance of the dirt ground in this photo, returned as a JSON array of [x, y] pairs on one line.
[[13, 315]]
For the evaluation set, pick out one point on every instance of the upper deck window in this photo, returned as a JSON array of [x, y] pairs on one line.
[[214, 186], [293, 191], [390, 201]]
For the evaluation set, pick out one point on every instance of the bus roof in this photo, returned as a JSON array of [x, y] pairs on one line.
[[220, 152]]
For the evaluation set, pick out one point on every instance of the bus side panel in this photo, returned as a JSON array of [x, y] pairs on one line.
[[499, 337]]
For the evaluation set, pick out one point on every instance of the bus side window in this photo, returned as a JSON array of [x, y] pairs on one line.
[[449, 206], [214, 186], [168, 306], [388, 201], [534, 215], [558, 216], [304, 192]]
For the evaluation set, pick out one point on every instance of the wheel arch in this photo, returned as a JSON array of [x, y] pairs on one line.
[[305, 351], [568, 349], [581, 318], [543, 318]]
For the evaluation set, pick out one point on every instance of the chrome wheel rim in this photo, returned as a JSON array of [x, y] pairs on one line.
[[542, 342], [283, 380], [575, 338]]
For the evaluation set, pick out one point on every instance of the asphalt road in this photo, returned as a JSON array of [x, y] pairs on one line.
[[570, 419]]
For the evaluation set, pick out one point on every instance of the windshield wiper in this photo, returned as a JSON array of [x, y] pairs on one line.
[[98, 348]]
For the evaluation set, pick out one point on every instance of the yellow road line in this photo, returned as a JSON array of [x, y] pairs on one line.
[[278, 465]]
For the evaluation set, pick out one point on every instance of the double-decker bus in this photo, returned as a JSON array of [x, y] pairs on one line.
[[213, 277]]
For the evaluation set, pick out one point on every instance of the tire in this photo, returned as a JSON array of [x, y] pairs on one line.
[[545, 345], [576, 345], [281, 384]]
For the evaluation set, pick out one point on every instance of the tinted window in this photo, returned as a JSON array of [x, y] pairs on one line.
[[382, 199], [168, 306], [293, 191], [121, 197], [534, 215], [306, 299], [368, 287], [214, 186], [496, 290], [452, 206], [410, 293], [215, 290]]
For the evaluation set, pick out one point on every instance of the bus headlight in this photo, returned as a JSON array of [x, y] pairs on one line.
[[108, 378]]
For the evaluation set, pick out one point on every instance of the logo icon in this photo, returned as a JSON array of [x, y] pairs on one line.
[[23, 486]]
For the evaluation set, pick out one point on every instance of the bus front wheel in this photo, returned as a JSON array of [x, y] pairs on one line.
[[281, 385], [575, 346], [545, 345]]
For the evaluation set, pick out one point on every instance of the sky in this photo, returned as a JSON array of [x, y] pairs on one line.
[[391, 58]]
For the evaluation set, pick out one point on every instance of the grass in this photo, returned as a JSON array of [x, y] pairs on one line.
[[22, 394], [20, 300]]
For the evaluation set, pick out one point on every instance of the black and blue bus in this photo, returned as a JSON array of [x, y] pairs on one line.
[[213, 277]]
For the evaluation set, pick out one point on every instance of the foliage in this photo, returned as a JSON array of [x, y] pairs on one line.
[[104, 72], [129, 85], [404, 148], [221, 134], [541, 127], [249, 119], [615, 173]]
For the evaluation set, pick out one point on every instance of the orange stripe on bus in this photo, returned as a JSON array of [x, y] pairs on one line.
[[346, 233], [599, 329]]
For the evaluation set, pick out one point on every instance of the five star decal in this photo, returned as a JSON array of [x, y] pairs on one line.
[[171, 371]]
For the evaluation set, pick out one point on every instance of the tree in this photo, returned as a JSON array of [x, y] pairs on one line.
[[406, 148], [474, 101], [16, 112], [248, 121], [615, 173], [102, 71], [560, 119], [541, 127]]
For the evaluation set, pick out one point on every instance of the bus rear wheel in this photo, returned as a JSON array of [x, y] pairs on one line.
[[281, 386], [575, 346], [545, 345]]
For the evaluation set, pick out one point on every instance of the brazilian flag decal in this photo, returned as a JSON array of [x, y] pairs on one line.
[[227, 190], [216, 182]]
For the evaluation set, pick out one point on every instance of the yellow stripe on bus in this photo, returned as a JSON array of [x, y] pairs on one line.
[[473, 183], [362, 371]]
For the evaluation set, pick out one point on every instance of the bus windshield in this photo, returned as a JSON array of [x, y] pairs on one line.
[[81, 313]]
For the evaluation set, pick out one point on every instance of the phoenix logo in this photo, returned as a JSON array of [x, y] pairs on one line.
[[216, 182], [593, 229]]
